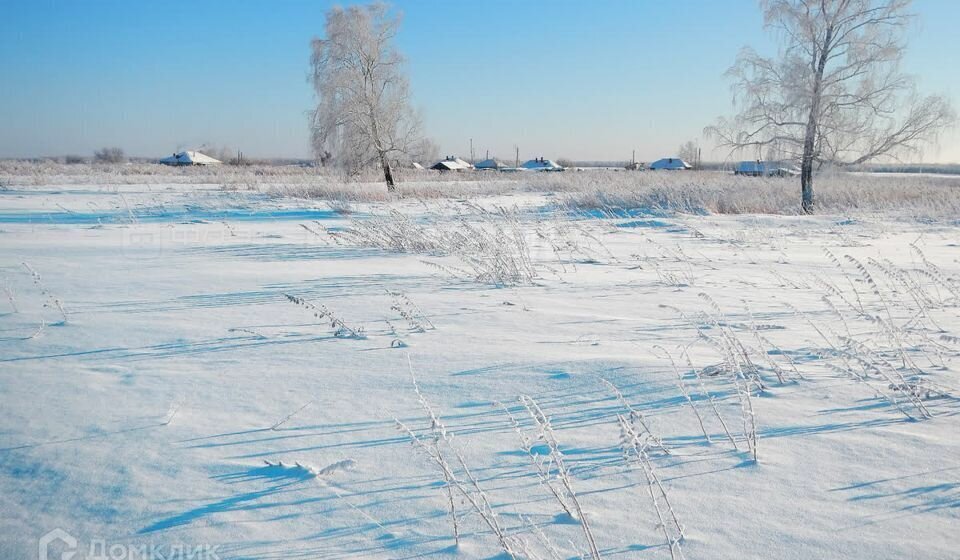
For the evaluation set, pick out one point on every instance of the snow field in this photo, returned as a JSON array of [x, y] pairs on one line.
[[161, 408]]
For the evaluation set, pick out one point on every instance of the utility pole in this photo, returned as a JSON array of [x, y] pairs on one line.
[[472, 161], [517, 164]]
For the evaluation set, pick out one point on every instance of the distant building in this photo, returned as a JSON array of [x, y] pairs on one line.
[[491, 163], [189, 158], [541, 164], [761, 168], [751, 168], [451, 163], [671, 164]]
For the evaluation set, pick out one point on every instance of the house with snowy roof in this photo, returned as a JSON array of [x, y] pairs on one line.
[[451, 163], [670, 164], [189, 157], [491, 163], [760, 168], [541, 164]]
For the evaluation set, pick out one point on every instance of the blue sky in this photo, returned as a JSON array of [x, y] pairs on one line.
[[585, 80]]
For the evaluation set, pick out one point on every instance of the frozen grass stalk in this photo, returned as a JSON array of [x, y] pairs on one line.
[[340, 329], [541, 464], [545, 432], [637, 417], [634, 447], [51, 300], [436, 448], [9, 293], [686, 394], [287, 418], [712, 400]]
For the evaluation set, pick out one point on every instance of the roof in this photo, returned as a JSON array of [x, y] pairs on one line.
[[189, 158], [669, 163], [451, 163], [753, 166], [445, 166], [758, 167], [491, 163], [541, 164]]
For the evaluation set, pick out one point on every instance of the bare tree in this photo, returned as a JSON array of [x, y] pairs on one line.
[[424, 151], [688, 152], [225, 154], [835, 93], [109, 155], [363, 116]]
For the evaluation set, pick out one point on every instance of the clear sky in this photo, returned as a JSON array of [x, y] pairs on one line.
[[579, 79]]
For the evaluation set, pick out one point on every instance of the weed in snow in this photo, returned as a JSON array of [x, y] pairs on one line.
[[542, 464], [635, 448], [686, 394], [9, 293], [410, 312], [437, 445], [340, 329], [287, 418], [636, 417], [545, 433], [51, 301], [303, 471], [489, 246], [251, 332]]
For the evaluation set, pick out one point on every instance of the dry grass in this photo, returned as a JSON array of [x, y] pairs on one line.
[[612, 192], [704, 192], [718, 193]]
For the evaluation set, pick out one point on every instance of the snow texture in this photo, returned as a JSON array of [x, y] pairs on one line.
[[159, 385]]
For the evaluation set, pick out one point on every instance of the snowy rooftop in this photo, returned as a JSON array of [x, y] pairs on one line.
[[451, 163], [669, 163], [541, 163], [189, 157], [491, 163]]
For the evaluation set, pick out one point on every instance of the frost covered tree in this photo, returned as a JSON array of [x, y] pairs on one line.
[[363, 116], [834, 94], [109, 155], [688, 152]]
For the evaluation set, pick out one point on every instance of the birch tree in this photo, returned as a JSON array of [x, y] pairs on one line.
[[363, 116], [835, 93], [688, 152]]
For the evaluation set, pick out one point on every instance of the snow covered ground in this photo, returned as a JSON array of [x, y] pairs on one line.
[[156, 408]]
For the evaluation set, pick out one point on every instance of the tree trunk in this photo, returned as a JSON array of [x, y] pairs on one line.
[[813, 121], [806, 177], [809, 145], [388, 174]]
